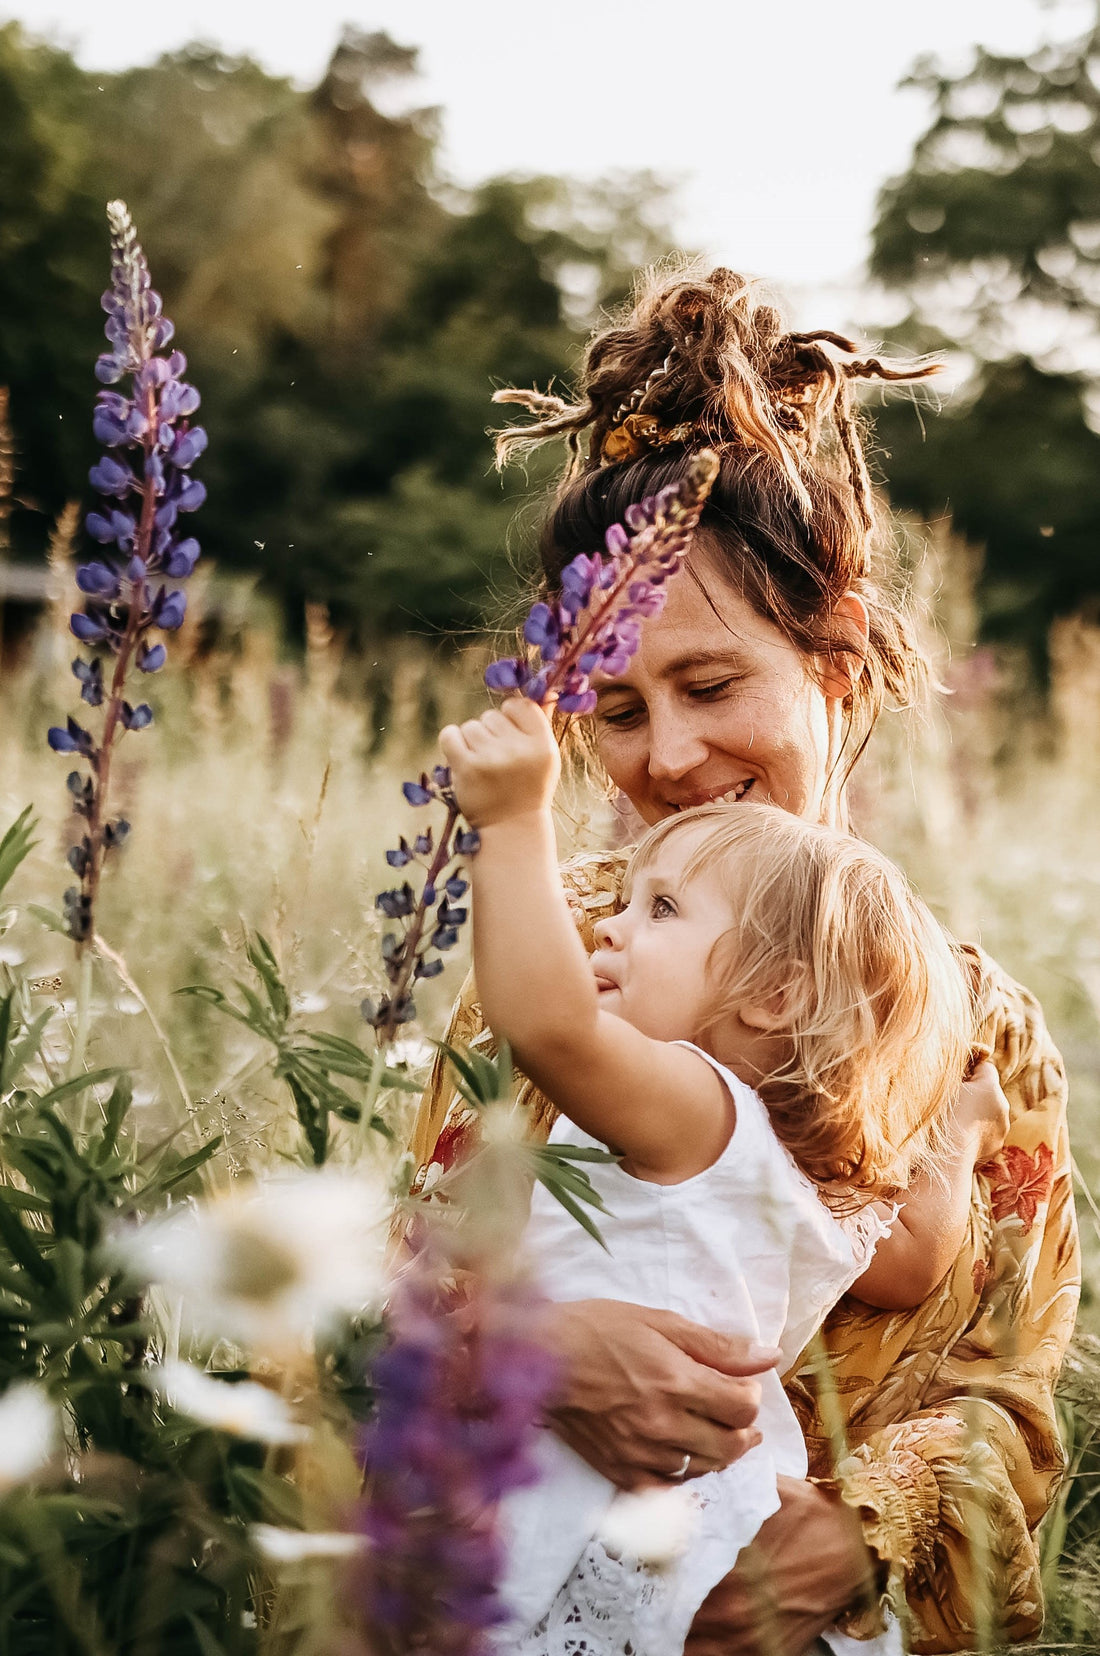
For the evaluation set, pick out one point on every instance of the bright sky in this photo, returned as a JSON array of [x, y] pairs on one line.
[[777, 119]]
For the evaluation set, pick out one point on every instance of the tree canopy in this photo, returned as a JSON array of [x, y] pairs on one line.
[[993, 236], [346, 312]]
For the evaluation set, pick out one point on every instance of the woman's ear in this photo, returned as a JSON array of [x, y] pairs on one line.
[[841, 668]]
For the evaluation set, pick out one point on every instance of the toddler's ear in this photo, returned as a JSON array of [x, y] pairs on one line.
[[775, 1013]]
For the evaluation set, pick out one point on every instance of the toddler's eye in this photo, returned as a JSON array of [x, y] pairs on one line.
[[662, 908]]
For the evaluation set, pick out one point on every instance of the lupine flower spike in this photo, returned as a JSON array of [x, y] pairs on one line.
[[431, 920], [595, 625], [458, 1396], [129, 592]]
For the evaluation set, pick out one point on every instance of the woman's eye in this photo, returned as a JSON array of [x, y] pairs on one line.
[[716, 687], [620, 718]]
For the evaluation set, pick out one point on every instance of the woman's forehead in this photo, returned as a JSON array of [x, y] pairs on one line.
[[705, 623]]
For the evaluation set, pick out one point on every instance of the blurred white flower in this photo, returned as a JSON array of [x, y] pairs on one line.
[[243, 1408], [311, 1000], [29, 1432], [655, 1526], [285, 1546], [503, 1126], [410, 1052], [271, 1264]]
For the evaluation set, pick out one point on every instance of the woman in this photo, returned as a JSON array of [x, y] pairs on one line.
[[931, 1432]]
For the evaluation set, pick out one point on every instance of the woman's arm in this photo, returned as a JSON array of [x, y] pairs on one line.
[[934, 1213], [657, 1103]]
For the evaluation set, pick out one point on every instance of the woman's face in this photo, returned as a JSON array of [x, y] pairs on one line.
[[719, 704]]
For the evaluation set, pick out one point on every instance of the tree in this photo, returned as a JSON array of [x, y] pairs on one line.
[[346, 316], [993, 235]]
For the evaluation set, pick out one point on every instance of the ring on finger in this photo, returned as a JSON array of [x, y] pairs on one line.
[[682, 1470]]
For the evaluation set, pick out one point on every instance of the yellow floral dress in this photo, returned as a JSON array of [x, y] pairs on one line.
[[950, 1448]]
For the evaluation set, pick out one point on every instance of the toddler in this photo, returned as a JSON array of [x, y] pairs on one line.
[[770, 1037]]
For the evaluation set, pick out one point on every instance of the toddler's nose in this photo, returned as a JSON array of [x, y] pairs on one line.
[[605, 932]]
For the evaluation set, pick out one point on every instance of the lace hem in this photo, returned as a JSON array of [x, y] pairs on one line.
[[610, 1606]]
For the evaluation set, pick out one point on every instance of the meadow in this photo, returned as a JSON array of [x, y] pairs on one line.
[[263, 796]]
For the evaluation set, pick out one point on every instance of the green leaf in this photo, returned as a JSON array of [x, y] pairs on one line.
[[262, 958], [168, 1179], [15, 1058], [481, 1080], [78, 1084], [16, 844], [577, 1212], [49, 918], [117, 1107], [21, 1248]]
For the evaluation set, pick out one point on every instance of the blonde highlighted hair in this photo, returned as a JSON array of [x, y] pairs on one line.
[[872, 1001]]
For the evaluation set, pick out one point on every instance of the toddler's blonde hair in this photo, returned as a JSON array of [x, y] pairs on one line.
[[872, 1000]]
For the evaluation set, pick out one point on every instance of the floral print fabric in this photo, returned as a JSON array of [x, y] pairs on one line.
[[952, 1451]]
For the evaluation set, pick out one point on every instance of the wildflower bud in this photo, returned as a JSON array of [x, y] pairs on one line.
[[181, 559], [109, 477], [168, 610], [151, 657], [416, 793], [98, 580], [136, 718], [88, 630]]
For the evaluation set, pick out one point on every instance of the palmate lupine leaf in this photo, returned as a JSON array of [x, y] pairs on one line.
[[305, 1061]]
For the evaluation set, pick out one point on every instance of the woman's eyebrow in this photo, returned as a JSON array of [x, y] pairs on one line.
[[700, 658]]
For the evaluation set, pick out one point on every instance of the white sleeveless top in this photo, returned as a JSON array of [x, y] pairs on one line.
[[747, 1247]]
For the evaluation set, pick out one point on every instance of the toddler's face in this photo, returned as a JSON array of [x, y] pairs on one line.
[[650, 963]]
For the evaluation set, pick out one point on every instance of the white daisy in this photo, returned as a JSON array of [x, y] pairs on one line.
[[270, 1265], [29, 1432], [243, 1408]]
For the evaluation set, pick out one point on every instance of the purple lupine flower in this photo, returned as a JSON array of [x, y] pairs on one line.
[[615, 591], [430, 921], [459, 1392], [143, 494]]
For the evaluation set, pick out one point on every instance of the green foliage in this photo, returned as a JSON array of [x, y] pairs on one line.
[[991, 234], [483, 1080], [307, 1062], [111, 1564]]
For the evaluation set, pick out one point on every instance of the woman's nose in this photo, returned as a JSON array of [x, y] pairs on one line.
[[674, 750]]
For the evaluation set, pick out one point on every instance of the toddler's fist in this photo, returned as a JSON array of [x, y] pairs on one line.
[[505, 764]]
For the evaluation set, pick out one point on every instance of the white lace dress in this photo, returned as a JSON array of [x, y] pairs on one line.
[[747, 1247]]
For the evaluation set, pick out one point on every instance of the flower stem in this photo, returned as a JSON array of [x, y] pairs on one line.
[[82, 1017]]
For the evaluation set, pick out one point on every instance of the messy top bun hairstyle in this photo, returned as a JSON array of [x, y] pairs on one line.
[[790, 522]]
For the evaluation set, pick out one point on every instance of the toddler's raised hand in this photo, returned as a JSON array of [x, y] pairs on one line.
[[505, 764]]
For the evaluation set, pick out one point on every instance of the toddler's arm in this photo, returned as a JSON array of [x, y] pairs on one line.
[[935, 1211], [658, 1104]]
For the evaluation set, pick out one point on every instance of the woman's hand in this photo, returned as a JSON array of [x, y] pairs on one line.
[[982, 1111], [808, 1563], [642, 1389]]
